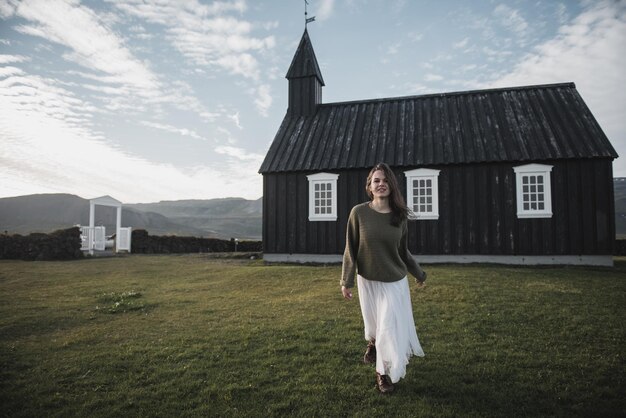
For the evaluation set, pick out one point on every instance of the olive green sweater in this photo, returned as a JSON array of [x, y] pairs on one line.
[[376, 249]]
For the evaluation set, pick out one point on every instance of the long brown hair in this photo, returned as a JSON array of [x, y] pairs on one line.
[[398, 207]]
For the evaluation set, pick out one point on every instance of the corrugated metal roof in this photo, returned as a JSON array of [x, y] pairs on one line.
[[530, 123]]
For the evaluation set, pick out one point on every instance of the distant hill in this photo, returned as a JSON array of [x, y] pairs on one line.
[[219, 218], [225, 218]]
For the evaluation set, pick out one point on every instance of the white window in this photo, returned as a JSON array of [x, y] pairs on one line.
[[422, 193], [534, 198], [323, 197]]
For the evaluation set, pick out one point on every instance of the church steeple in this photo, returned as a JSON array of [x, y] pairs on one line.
[[305, 79]]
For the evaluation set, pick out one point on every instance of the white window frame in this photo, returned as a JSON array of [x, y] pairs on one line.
[[323, 180], [534, 188], [423, 174]]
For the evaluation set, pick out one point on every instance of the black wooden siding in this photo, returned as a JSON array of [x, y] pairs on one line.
[[514, 124], [477, 212], [304, 96]]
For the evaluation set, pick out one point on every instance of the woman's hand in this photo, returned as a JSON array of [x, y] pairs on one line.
[[347, 293], [421, 281]]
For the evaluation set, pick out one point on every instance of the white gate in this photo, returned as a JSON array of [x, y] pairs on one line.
[[100, 238], [86, 238], [94, 237], [123, 240]]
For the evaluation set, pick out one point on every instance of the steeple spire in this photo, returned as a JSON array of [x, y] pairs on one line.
[[305, 79]]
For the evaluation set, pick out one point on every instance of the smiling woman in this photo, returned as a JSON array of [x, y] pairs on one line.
[[376, 249]]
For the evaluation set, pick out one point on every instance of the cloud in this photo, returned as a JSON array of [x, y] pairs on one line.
[[235, 118], [203, 35], [91, 44], [496, 55], [239, 154], [433, 77], [588, 52], [242, 64], [6, 9], [415, 88], [33, 95], [325, 9], [8, 71], [394, 48], [461, 44], [8, 59], [510, 18], [172, 129], [124, 82], [561, 13], [50, 146], [263, 101]]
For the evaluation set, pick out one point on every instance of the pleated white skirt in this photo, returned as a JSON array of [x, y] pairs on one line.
[[388, 317]]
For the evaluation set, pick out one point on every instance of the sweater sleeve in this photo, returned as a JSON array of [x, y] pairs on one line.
[[348, 270], [411, 265]]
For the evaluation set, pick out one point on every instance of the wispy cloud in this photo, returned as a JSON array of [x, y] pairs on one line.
[[415, 88], [8, 59], [49, 140], [325, 9], [90, 43], [461, 44], [235, 118], [561, 13], [8, 71], [263, 99], [173, 129], [211, 37], [510, 18], [49, 144], [433, 77], [48, 126], [203, 35], [239, 154], [587, 52]]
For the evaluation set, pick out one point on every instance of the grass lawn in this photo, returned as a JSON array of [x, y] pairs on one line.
[[194, 336]]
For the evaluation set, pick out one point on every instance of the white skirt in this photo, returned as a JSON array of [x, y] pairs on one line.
[[388, 317]]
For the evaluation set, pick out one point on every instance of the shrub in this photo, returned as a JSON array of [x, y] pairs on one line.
[[59, 245], [144, 243]]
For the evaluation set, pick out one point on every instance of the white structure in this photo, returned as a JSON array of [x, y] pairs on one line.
[[94, 237]]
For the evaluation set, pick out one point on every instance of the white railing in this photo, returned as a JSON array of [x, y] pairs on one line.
[[86, 238], [94, 238]]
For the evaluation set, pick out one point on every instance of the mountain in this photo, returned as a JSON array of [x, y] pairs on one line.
[[223, 218]]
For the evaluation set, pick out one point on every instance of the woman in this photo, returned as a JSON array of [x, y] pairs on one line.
[[376, 249]]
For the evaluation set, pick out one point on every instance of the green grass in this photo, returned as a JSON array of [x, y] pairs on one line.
[[194, 336]]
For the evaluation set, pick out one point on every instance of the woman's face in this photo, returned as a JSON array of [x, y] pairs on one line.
[[379, 186]]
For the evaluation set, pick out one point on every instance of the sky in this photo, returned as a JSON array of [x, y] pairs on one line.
[[150, 100]]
